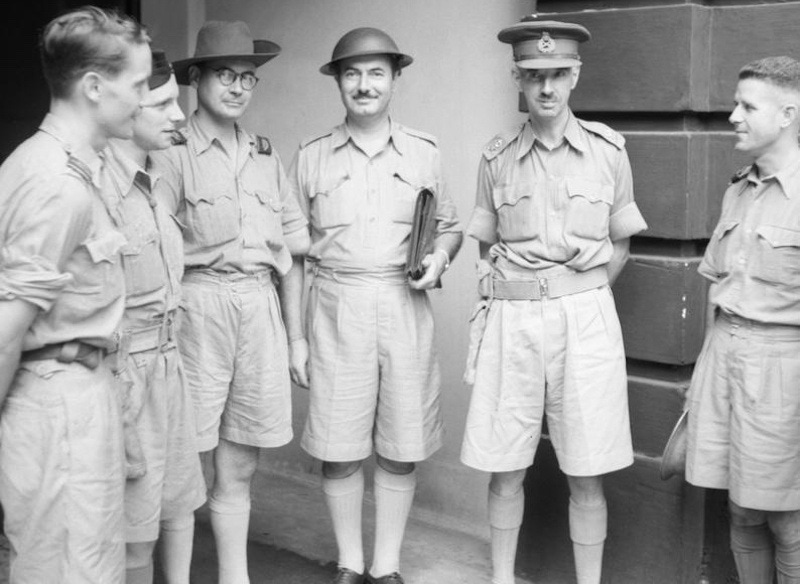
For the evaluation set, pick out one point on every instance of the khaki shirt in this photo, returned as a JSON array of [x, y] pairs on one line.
[[238, 211], [58, 247], [566, 206], [754, 252], [153, 255], [360, 209]]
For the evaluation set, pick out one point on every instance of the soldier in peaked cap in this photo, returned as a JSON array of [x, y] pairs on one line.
[[553, 217], [165, 481], [374, 377], [743, 425], [61, 300], [241, 229]]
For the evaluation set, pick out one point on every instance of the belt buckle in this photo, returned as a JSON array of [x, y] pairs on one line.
[[543, 289]]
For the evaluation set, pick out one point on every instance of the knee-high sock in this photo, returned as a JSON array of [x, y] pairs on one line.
[[177, 540], [587, 529], [785, 526], [505, 520], [751, 544], [394, 494], [230, 521], [345, 498]]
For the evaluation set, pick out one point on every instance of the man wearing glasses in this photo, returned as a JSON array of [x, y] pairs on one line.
[[241, 230]]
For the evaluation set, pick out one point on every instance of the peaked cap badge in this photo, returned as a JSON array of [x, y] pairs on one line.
[[546, 43]]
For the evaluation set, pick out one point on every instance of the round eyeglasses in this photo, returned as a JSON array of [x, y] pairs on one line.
[[229, 76]]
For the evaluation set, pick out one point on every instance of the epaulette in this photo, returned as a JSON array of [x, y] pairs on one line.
[[741, 174], [80, 168], [314, 138], [263, 146], [421, 135], [500, 142], [178, 138], [611, 136]]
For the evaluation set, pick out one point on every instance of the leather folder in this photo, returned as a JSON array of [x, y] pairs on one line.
[[423, 233]]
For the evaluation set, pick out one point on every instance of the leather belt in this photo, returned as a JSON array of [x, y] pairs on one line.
[[159, 336], [69, 352], [539, 288]]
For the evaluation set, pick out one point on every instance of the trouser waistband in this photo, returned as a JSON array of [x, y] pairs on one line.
[[545, 286], [68, 352]]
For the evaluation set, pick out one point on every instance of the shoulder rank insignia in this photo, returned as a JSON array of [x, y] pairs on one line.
[[496, 144], [741, 174], [80, 168], [263, 146], [178, 138]]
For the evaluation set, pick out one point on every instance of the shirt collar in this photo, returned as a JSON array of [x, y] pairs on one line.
[[201, 140], [128, 173], [573, 134], [341, 136], [52, 125], [788, 178]]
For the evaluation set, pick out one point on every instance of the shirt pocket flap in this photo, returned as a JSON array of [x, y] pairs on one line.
[[105, 247], [510, 194], [274, 203], [779, 236], [328, 184], [591, 190], [136, 243], [412, 178], [206, 195]]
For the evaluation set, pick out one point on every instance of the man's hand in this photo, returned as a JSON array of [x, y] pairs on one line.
[[435, 264], [298, 362]]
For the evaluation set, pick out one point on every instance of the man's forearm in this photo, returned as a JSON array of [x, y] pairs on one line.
[[450, 243], [16, 316], [618, 259], [290, 292]]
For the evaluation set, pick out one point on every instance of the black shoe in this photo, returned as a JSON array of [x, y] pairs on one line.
[[345, 576], [393, 578]]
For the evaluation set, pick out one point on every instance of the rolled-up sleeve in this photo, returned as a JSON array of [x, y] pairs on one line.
[[483, 222], [49, 221], [626, 219]]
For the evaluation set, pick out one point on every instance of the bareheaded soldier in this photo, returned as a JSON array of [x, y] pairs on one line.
[[553, 218], [744, 404], [61, 300]]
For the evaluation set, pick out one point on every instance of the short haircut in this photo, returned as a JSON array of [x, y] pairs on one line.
[[86, 39], [782, 72]]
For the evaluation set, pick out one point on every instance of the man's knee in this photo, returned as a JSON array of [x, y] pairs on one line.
[[505, 484], [394, 466], [339, 470], [586, 491], [139, 554], [745, 517], [785, 526]]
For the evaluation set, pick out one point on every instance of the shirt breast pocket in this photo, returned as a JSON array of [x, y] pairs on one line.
[[778, 258], [588, 209], [717, 254], [333, 203], [141, 261], [212, 218], [405, 188], [516, 214]]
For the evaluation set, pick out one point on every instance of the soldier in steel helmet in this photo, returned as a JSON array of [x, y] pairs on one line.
[[61, 300], [372, 367], [241, 228], [553, 218]]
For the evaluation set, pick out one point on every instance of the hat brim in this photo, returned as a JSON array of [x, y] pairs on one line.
[[263, 51], [673, 460], [547, 63], [330, 68]]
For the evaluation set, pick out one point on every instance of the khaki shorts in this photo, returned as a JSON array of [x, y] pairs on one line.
[[62, 475], [744, 406], [236, 360], [374, 373], [562, 358], [173, 485]]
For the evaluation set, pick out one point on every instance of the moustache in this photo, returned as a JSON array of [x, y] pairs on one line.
[[364, 94]]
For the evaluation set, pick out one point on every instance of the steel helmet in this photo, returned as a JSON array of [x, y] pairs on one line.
[[364, 41]]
